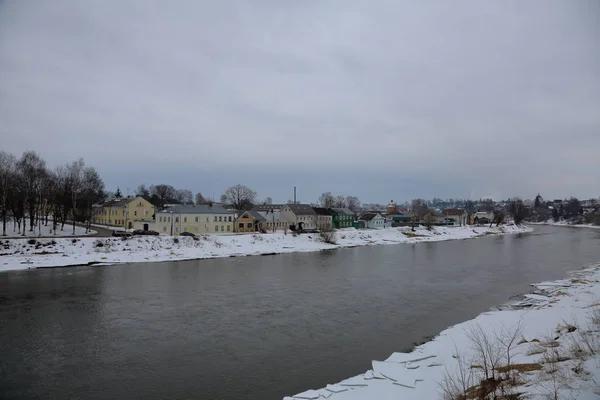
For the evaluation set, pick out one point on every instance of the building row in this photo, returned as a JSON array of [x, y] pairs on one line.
[[138, 213]]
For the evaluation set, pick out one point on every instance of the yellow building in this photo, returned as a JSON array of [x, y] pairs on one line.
[[123, 212], [197, 219]]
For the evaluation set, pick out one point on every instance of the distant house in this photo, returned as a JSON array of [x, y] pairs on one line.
[[481, 218], [200, 219], [456, 215], [123, 212], [250, 221], [324, 219], [398, 219], [299, 216], [273, 220], [372, 220], [342, 217]]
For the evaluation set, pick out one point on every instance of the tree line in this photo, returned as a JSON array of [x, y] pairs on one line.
[[32, 194]]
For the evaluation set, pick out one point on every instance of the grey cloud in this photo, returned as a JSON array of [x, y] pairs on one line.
[[382, 99]]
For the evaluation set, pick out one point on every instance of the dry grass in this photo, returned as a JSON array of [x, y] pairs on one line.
[[520, 368], [561, 293], [411, 235]]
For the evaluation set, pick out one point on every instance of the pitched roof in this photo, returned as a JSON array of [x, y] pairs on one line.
[[117, 203], [268, 207], [274, 216], [301, 209], [196, 209], [368, 216], [346, 211], [321, 211], [254, 214]]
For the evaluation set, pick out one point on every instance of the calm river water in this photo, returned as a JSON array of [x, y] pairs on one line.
[[256, 327]]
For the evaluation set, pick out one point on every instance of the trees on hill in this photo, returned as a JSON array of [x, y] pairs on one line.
[[30, 192]]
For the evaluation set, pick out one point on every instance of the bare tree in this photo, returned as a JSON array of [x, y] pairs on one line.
[[162, 194], [7, 169], [326, 200], [76, 176], [184, 196], [92, 192], [353, 203], [517, 211], [340, 201], [142, 191], [487, 205], [199, 199], [238, 197], [498, 218], [33, 170]]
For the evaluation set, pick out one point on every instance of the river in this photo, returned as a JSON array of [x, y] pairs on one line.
[[256, 327]]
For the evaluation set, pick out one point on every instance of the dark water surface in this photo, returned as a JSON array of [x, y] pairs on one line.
[[256, 327]]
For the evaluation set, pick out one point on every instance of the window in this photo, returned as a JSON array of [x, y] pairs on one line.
[[230, 218], [196, 219], [146, 213], [241, 225], [249, 224], [140, 204], [216, 228], [228, 228], [222, 228], [220, 219], [164, 228], [159, 219], [176, 229], [176, 219], [134, 213], [169, 219], [215, 218], [184, 219]]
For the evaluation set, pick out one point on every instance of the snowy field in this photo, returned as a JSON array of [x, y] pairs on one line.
[[545, 346], [12, 231], [48, 252]]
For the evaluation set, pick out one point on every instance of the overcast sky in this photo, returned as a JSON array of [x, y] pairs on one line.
[[375, 98]]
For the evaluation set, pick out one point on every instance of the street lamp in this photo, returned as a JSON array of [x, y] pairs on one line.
[[126, 212]]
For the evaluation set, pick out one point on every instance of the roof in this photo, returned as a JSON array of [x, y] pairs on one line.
[[368, 216], [269, 216], [254, 214], [195, 209], [453, 211], [346, 211], [322, 211], [117, 203], [268, 207], [301, 209]]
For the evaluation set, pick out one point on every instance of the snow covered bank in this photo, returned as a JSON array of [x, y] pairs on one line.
[[546, 345], [20, 254], [12, 232], [565, 223]]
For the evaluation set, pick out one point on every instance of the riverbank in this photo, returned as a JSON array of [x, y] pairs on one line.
[[544, 345], [565, 223], [48, 252]]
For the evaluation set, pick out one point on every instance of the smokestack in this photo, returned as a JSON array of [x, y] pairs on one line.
[[294, 194]]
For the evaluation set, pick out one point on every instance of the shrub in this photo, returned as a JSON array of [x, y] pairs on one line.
[[98, 243], [327, 236], [74, 241], [32, 241], [175, 240]]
